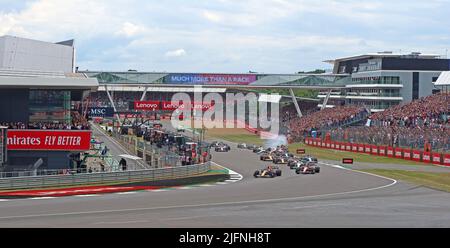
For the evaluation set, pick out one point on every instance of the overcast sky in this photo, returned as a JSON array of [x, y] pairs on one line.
[[270, 36]]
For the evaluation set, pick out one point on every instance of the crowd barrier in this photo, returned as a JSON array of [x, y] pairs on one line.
[[387, 151]]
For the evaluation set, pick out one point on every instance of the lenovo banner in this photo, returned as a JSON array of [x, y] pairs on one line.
[[146, 105], [170, 106], [50, 140]]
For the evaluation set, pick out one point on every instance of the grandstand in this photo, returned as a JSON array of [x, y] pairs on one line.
[[422, 122]]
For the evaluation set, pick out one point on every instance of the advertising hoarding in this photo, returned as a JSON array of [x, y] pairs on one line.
[[49, 140]]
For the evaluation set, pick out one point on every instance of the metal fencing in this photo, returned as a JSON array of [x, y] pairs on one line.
[[154, 156], [29, 182]]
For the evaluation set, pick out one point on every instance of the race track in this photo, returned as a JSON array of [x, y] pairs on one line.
[[334, 198]]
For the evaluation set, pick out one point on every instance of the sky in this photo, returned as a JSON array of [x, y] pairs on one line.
[[229, 36]]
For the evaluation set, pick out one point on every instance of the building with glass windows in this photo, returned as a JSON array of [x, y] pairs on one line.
[[384, 79]]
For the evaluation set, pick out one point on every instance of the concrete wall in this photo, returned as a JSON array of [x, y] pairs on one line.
[[25, 54]]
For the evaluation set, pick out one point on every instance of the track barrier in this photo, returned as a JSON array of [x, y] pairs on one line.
[[435, 158]]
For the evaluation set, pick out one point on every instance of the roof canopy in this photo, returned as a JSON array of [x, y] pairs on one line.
[[444, 79]]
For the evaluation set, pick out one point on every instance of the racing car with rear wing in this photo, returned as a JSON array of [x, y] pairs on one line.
[[269, 171]]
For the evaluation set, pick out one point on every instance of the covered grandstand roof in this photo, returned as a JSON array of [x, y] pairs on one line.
[[444, 79], [47, 80]]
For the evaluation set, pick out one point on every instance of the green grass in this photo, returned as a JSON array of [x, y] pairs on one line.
[[240, 138], [331, 154], [234, 135], [440, 181]]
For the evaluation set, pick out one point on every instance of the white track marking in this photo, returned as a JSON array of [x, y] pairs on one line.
[[84, 195], [157, 190], [126, 193], [221, 183], [121, 222], [3, 200], [315, 206], [42, 198], [363, 172]]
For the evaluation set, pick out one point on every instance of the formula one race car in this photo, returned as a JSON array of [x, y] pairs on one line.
[[258, 149], [294, 164], [266, 157], [251, 147], [269, 171], [242, 146], [222, 147], [214, 144], [309, 168], [280, 160]]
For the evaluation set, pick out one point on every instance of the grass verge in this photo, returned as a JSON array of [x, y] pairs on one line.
[[440, 181], [234, 135]]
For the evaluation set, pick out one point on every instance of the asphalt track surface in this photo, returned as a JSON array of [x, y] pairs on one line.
[[335, 197]]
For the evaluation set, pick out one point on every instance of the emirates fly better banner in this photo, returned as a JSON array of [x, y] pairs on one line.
[[50, 140]]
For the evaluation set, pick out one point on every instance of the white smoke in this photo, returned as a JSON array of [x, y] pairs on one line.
[[277, 141]]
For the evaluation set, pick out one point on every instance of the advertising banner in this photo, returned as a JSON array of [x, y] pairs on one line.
[[382, 150], [374, 149], [333, 145], [437, 158], [447, 159], [390, 152], [407, 154], [146, 105], [348, 147], [49, 140], [426, 157], [210, 79], [338, 146], [398, 152], [101, 112], [170, 106], [367, 149], [328, 145], [416, 155], [360, 148], [354, 147]]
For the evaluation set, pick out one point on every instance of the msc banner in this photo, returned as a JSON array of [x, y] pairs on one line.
[[50, 140], [101, 112], [190, 78]]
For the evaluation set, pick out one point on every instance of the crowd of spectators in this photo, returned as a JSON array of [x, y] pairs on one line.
[[427, 111], [397, 136], [423, 121], [324, 119], [78, 122]]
